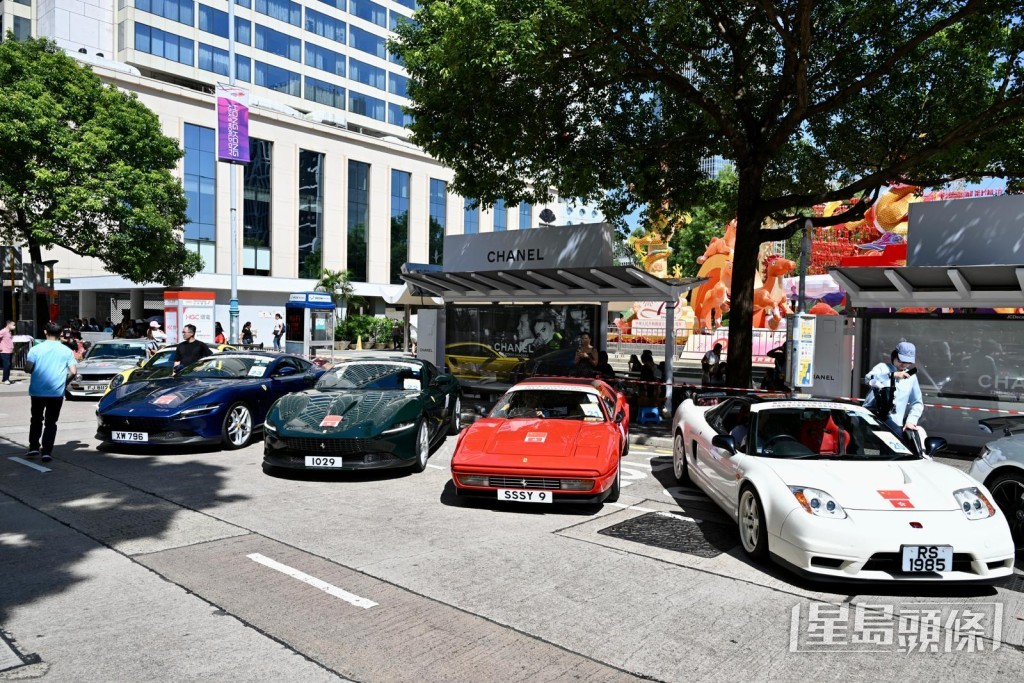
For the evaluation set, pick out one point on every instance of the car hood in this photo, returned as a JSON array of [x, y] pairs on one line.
[[166, 395], [362, 414], [874, 485], [544, 443], [106, 364]]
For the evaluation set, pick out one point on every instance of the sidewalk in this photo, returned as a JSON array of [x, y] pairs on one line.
[[19, 383]]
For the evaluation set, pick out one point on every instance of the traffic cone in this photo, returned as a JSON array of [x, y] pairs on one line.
[[359, 342]]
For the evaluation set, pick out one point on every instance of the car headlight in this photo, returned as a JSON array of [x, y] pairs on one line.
[[201, 410], [270, 427], [577, 484], [974, 503], [78, 378], [472, 479], [117, 381], [400, 427], [818, 502]]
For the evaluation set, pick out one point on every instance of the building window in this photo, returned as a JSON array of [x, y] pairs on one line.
[[358, 217], [277, 43], [411, 4], [163, 44], [244, 3], [256, 209], [398, 116], [325, 93], [400, 181], [367, 42], [181, 11], [311, 213], [215, 21], [243, 68], [324, 59], [364, 73], [398, 85], [364, 105], [282, 10], [371, 11], [28, 3], [500, 216], [326, 26], [201, 193], [396, 18], [276, 78], [22, 28], [337, 4], [525, 210], [471, 221], [438, 220], [213, 59]]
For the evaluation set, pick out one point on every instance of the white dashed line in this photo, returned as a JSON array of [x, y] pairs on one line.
[[437, 467], [630, 507], [350, 598], [27, 463]]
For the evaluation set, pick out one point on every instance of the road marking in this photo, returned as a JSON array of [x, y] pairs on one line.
[[672, 515], [437, 467], [630, 507], [27, 463], [350, 598]]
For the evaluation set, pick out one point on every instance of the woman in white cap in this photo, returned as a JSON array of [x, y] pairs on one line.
[[907, 403]]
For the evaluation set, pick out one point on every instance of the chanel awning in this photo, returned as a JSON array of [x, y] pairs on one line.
[[974, 286], [594, 284]]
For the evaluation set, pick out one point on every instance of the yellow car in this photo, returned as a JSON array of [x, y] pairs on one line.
[[473, 360], [157, 365]]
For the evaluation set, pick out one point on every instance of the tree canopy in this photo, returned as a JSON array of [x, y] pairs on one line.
[[86, 167], [617, 102]]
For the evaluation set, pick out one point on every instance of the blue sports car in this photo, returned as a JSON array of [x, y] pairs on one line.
[[222, 398]]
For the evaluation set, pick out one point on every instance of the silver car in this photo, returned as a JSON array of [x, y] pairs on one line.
[[1001, 468], [103, 361]]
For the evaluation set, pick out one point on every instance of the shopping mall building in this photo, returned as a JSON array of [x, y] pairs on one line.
[[333, 182]]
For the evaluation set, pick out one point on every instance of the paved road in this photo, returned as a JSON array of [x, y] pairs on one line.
[[162, 565]]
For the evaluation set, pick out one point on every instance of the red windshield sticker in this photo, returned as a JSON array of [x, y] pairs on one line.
[[331, 421], [536, 437], [898, 499], [165, 399]]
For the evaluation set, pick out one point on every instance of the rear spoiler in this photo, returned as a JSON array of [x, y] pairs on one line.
[[1008, 424]]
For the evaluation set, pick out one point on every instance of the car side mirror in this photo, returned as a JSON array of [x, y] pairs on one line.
[[933, 444], [620, 416], [440, 381], [725, 442], [310, 378], [286, 371]]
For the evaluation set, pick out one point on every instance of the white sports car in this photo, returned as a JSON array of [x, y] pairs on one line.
[[1001, 468], [827, 489]]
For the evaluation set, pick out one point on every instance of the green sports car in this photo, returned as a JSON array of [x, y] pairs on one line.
[[364, 414]]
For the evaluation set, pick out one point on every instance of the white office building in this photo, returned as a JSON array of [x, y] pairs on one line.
[[333, 182]]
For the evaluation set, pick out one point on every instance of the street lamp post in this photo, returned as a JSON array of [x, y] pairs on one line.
[[233, 176]]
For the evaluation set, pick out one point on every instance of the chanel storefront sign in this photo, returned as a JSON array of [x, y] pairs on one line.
[[573, 246]]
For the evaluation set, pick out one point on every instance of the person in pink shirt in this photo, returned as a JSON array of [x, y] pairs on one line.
[[7, 349]]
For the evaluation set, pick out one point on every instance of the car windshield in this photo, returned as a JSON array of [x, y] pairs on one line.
[[116, 350], [824, 433], [554, 403], [163, 359], [372, 376], [229, 367]]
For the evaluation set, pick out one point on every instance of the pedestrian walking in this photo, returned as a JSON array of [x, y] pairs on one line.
[[158, 334], [709, 364], [248, 336], [398, 336], [218, 336], [278, 331], [7, 349], [896, 395], [189, 350], [50, 364]]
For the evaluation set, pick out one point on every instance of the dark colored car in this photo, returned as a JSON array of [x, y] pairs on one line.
[[364, 414], [560, 363], [222, 398]]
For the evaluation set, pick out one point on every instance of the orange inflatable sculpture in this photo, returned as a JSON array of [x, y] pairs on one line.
[[770, 303]]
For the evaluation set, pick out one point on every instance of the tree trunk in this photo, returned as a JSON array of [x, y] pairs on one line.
[[40, 289], [741, 311]]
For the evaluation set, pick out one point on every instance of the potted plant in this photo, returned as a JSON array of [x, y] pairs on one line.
[[341, 340], [382, 332], [338, 283]]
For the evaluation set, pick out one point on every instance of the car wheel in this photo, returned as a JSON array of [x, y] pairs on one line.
[[613, 493], [422, 447], [680, 468], [753, 529], [236, 430], [1008, 493], [456, 422]]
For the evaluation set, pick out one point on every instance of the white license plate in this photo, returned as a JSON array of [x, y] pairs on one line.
[[94, 386], [131, 437], [323, 461], [523, 496], [927, 558]]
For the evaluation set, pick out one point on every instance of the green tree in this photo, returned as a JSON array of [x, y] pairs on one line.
[[707, 220], [616, 101], [339, 284], [85, 166]]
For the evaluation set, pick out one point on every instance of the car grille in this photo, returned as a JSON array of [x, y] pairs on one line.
[[524, 483], [99, 376], [139, 424], [335, 446], [891, 563]]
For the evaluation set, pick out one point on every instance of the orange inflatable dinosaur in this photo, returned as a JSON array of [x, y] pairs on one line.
[[770, 303]]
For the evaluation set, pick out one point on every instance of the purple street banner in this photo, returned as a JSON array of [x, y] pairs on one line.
[[232, 124]]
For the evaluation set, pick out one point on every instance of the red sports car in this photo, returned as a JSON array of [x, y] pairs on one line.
[[548, 440]]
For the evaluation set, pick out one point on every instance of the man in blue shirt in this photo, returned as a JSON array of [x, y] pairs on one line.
[[50, 364], [908, 402]]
